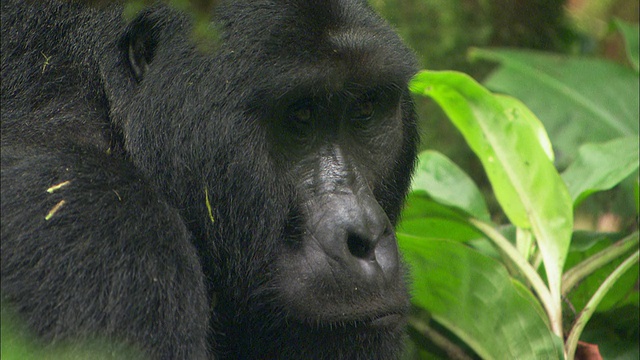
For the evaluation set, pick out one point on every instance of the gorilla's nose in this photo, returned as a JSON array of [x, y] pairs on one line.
[[356, 233]]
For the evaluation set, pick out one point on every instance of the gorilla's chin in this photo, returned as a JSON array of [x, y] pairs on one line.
[[337, 340]]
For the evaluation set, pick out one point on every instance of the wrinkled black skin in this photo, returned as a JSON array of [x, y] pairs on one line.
[[297, 258]]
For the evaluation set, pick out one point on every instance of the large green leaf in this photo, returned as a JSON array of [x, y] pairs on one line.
[[631, 40], [423, 216], [579, 100], [505, 136], [473, 296], [601, 167], [420, 205], [440, 228], [446, 183]]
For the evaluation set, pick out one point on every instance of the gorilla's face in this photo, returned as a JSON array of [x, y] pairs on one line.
[[304, 151], [340, 263]]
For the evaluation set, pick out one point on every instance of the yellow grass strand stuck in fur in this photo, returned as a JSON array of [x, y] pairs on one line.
[[54, 210], [58, 187], [206, 201]]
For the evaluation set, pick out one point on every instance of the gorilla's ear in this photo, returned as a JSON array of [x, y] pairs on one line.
[[139, 45]]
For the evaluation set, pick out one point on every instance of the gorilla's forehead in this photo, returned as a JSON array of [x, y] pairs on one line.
[[328, 45], [352, 74]]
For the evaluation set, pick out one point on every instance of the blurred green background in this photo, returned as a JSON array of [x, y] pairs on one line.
[[441, 32]]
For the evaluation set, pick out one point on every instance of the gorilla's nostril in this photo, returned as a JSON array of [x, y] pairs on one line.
[[360, 247]]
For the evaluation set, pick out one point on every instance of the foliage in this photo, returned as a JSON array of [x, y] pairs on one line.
[[205, 33], [569, 94], [19, 343], [497, 301]]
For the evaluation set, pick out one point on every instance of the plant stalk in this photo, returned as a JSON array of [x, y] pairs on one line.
[[574, 335], [586, 267]]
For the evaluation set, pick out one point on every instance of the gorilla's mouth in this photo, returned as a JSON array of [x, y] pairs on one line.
[[383, 319], [340, 300], [387, 321], [382, 323]]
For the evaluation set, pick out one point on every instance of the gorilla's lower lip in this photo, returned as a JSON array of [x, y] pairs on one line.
[[386, 321]]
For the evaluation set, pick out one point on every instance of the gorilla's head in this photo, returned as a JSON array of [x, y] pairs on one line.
[[289, 150]]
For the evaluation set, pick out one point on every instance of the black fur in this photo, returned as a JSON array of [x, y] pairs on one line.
[[228, 203]]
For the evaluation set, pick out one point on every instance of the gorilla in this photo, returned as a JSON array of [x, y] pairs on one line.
[[230, 202]]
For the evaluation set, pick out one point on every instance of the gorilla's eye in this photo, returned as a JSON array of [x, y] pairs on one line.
[[300, 118], [303, 114], [362, 110]]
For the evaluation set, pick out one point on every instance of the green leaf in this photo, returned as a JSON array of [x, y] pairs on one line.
[[572, 338], [636, 194], [18, 342], [601, 167], [520, 110], [420, 205], [439, 228], [631, 40], [533, 301], [569, 95], [616, 333], [583, 240], [423, 216], [505, 138], [473, 296], [621, 290], [446, 183]]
